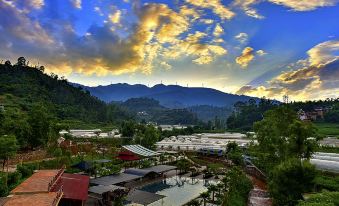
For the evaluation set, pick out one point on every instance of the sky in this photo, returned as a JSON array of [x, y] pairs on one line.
[[259, 48]]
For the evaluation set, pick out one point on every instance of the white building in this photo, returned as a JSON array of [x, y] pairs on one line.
[[85, 133], [166, 127], [206, 140]]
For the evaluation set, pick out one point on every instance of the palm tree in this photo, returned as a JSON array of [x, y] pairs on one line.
[[213, 189], [205, 196], [194, 202]]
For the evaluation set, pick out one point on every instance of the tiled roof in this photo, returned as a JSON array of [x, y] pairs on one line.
[[38, 182], [38, 199]]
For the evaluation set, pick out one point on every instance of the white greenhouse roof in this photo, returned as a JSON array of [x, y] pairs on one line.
[[140, 150]]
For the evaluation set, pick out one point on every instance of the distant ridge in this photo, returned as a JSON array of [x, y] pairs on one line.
[[171, 96]]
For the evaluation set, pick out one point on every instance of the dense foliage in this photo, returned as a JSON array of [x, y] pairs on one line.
[[23, 86], [285, 144], [281, 135], [239, 186], [150, 110], [246, 113], [289, 180], [321, 199]]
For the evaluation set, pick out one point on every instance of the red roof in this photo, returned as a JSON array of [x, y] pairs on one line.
[[74, 186], [127, 156]]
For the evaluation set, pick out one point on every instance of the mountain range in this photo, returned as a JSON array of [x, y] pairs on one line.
[[170, 96]]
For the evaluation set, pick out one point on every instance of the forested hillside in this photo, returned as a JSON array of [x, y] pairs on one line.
[[151, 110], [21, 87], [170, 96]]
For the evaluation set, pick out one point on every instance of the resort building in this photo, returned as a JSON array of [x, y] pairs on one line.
[[196, 142]]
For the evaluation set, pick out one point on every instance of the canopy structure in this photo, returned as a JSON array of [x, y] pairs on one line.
[[139, 172], [140, 150], [100, 189], [83, 165], [114, 179], [143, 197]]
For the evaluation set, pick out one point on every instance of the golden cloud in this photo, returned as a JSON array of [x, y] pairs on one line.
[[246, 6], [115, 17], [316, 79], [216, 6], [218, 30], [307, 5], [323, 53], [246, 57]]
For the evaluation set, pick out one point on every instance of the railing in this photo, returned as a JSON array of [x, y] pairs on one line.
[[58, 197], [253, 170], [56, 178]]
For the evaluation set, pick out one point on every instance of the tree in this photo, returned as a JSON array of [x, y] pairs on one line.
[[151, 136], [21, 61], [40, 124], [183, 165], [8, 148], [289, 180], [8, 64], [205, 196], [213, 189], [127, 129], [234, 153], [281, 135]]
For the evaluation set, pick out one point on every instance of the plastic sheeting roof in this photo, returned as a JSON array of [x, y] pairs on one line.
[[104, 188], [114, 179], [140, 150], [143, 197]]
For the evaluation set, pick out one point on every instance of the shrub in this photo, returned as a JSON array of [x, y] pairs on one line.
[[289, 180], [13, 178], [3, 186], [25, 170]]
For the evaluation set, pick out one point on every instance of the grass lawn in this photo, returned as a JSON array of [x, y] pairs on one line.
[[327, 129]]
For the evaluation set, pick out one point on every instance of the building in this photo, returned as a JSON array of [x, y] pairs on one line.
[[50, 188], [89, 133], [166, 127], [196, 142]]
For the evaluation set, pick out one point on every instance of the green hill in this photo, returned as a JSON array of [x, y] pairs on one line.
[[21, 87], [150, 110]]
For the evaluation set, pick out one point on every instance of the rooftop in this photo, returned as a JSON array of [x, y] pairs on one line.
[[74, 186], [114, 179], [140, 150], [38, 182], [38, 199]]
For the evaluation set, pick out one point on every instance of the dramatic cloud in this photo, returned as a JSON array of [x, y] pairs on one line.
[[308, 5], [216, 6], [323, 53], [316, 79], [295, 5], [246, 57]]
